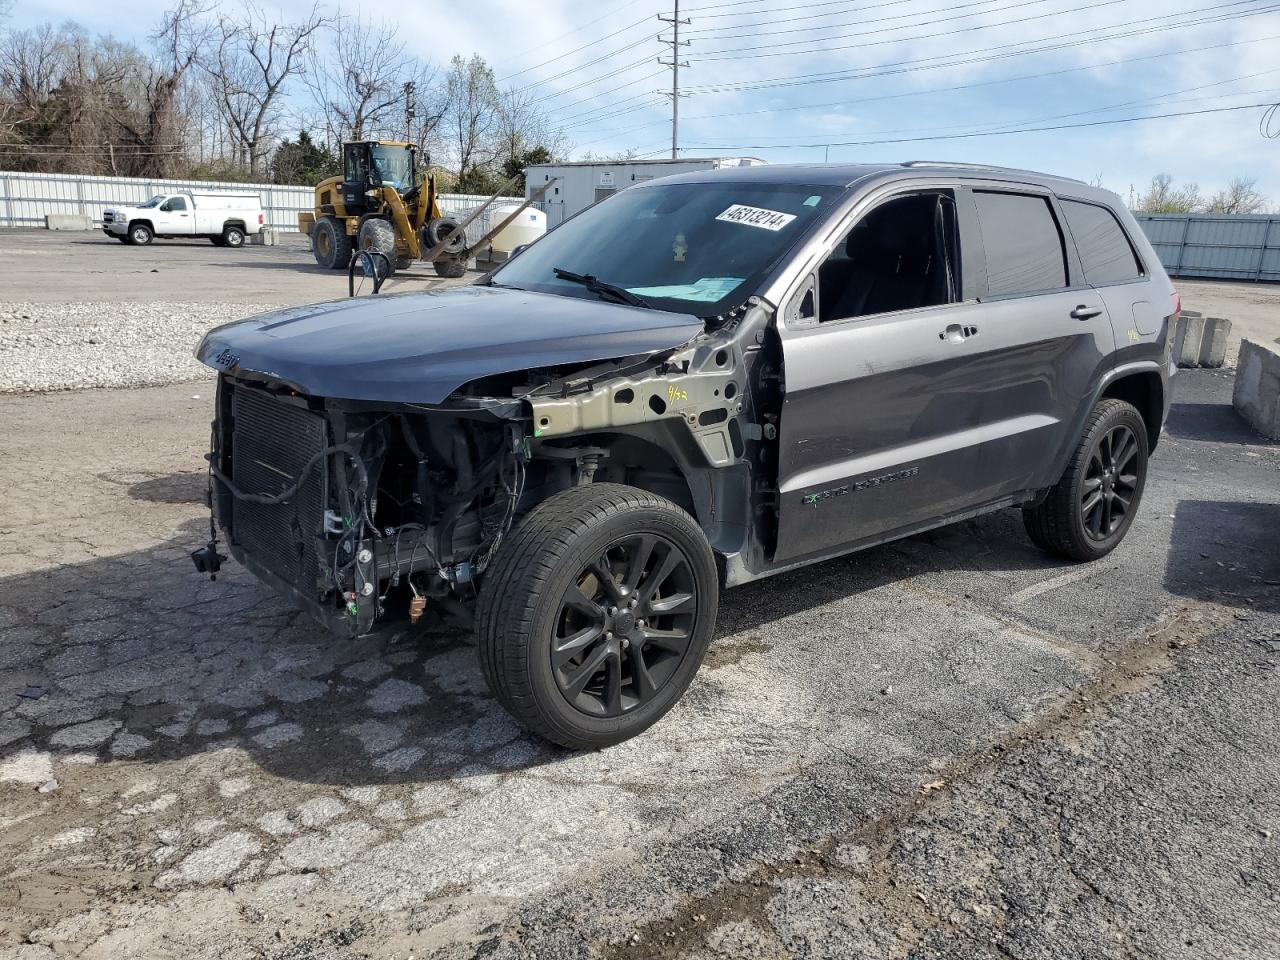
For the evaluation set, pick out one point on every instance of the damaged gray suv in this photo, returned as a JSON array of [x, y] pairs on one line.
[[698, 382]]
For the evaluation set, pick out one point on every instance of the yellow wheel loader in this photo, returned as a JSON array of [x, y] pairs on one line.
[[379, 205]]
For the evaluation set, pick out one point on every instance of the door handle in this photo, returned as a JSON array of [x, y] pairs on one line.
[[957, 333], [1083, 312]]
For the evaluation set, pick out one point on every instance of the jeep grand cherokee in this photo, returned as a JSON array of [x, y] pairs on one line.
[[696, 383]]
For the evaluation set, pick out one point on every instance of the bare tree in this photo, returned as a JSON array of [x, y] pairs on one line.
[[1163, 197], [359, 80], [471, 117], [1240, 196], [521, 124], [252, 62], [159, 132]]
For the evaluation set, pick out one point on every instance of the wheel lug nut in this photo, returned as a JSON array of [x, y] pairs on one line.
[[608, 634]]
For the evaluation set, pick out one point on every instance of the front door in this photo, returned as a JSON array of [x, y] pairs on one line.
[[928, 382], [175, 217]]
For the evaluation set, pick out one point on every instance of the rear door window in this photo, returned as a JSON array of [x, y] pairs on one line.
[[1023, 243], [1105, 251]]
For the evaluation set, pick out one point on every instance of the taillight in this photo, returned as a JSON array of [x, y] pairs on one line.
[[1177, 306], [260, 222]]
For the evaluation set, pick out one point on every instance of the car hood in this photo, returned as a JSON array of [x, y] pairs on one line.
[[420, 347]]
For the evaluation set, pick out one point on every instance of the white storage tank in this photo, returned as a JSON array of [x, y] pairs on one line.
[[526, 228]]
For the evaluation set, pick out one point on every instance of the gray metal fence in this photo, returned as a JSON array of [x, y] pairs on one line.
[[27, 198], [1216, 246]]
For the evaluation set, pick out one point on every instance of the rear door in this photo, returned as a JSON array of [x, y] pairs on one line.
[[1112, 266], [1051, 333], [893, 421]]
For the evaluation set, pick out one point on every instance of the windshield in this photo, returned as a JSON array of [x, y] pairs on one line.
[[697, 248], [393, 166], [153, 202]]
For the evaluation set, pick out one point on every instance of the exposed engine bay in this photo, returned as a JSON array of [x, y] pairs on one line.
[[367, 511]]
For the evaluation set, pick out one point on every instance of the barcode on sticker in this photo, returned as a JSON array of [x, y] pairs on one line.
[[756, 217]]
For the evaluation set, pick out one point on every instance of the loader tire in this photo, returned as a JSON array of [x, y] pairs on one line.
[[330, 244], [379, 236], [451, 269]]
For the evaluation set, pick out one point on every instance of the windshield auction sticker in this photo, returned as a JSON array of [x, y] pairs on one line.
[[756, 217]]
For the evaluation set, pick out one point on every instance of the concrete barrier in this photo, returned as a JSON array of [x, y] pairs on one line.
[[1257, 391], [1200, 341], [67, 221], [266, 237]]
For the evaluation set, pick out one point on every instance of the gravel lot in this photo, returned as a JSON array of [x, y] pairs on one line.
[[82, 310], [950, 746]]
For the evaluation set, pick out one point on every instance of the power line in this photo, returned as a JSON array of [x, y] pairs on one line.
[[578, 29], [924, 63], [900, 16], [569, 53], [605, 113], [735, 52], [980, 83], [855, 8], [1162, 99], [997, 133]]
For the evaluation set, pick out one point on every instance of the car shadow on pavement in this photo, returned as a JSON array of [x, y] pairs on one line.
[[1226, 552], [134, 656]]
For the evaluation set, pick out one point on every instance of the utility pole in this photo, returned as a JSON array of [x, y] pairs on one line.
[[409, 89], [675, 43]]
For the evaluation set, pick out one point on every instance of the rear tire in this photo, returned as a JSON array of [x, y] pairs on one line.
[[451, 269], [232, 237], [1089, 511], [140, 234], [217, 241], [379, 236], [596, 614], [330, 244]]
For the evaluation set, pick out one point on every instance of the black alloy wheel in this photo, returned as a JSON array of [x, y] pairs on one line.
[[1086, 514], [624, 626], [596, 612], [1111, 482]]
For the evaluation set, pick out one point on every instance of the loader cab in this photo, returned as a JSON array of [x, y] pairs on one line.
[[370, 164]]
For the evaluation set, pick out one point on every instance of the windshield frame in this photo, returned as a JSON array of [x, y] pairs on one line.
[[155, 201], [835, 199]]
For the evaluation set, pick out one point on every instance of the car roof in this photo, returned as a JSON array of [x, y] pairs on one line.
[[848, 174]]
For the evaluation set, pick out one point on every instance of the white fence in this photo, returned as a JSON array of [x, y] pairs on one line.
[[27, 198]]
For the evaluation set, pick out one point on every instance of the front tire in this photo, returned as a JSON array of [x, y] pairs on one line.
[[1089, 511], [140, 234], [379, 236], [451, 269], [596, 614]]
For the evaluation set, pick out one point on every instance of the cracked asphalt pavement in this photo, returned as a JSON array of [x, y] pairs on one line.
[[951, 746]]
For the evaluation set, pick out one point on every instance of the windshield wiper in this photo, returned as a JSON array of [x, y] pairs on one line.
[[596, 285]]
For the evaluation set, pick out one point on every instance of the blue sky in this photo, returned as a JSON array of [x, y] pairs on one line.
[[923, 68]]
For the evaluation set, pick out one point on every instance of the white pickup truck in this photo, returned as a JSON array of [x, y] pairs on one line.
[[224, 218]]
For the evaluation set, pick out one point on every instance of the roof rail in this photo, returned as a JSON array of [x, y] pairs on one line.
[[985, 166]]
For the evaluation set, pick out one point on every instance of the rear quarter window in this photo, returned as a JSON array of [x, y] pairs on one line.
[[1023, 243], [1106, 254]]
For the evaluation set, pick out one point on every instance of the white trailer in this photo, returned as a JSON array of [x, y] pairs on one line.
[[225, 218], [582, 184]]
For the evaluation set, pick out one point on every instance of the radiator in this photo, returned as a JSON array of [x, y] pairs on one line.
[[272, 439]]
